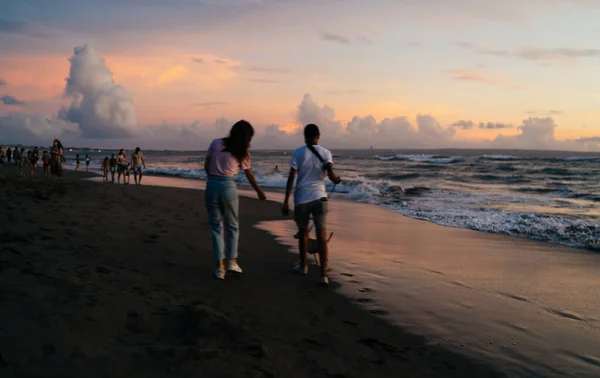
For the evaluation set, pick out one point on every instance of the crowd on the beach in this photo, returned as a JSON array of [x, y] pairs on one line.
[[52, 162], [27, 161], [225, 158]]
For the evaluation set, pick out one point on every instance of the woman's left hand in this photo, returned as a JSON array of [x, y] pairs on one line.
[[261, 195]]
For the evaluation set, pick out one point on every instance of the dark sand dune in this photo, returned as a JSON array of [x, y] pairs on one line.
[[101, 280]]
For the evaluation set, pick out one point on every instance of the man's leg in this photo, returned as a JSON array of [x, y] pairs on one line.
[[301, 215], [303, 246], [319, 213], [141, 175], [323, 250]]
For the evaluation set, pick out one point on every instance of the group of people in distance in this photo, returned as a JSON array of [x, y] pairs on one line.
[[28, 161], [226, 157], [121, 167], [78, 162]]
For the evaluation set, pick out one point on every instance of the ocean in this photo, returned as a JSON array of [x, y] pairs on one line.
[[542, 195]]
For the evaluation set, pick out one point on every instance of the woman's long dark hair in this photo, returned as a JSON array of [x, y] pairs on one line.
[[238, 141], [59, 144]]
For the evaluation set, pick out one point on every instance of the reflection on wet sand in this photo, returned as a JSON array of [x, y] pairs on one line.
[[528, 306]]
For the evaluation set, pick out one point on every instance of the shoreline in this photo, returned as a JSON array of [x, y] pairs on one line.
[[593, 246], [135, 296]]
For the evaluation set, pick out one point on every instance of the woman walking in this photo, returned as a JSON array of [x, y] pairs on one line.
[[224, 159], [121, 166], [56, 159]]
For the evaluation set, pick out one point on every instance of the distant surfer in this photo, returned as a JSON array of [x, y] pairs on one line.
[[277, 168]]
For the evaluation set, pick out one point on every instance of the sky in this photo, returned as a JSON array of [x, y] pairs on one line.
[[383, 73]]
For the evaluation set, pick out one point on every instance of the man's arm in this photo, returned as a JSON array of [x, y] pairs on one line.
[[288, 190], [334, 179]]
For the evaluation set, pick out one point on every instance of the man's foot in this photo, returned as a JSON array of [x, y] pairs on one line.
[[220, 273], [232, 266], [301, 269], [324, 281]]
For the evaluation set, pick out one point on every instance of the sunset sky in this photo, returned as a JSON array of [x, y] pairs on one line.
[[472, 69]]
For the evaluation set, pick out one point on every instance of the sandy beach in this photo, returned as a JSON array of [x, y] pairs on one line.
[[101, 280]]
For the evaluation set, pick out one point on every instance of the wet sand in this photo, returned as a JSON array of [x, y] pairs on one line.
[[530, 308], [102, 280]]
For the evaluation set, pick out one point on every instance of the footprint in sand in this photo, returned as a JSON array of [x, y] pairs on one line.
[[379, 312], [366, 290], [513, 296], [365, 300], [565, 314]]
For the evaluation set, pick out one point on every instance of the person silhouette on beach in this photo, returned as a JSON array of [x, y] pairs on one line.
[[1, 156], [46, 160], [113, 167], [137, 161], [23, 161], [35, 156], [17, 157], [105, 166], [87, 162], [121, 166], [56, 159], [224, 159], [311, 162], [9, 155], [77, 162]]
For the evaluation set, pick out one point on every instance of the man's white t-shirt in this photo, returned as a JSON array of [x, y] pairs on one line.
[[310, 185]]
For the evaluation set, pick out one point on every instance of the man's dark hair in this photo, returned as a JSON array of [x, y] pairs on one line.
[[311, 131]]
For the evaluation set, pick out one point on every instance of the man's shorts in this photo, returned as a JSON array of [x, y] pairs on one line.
[[318, 210], [137, 170], [113, 169]]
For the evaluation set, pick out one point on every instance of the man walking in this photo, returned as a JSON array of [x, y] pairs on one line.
[[137, 161], [311, 162]]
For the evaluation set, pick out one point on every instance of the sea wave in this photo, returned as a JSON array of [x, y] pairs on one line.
[[499, 157], [454, 207], [435, 159]]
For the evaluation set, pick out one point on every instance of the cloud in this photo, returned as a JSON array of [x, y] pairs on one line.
[[363, 39], [10, 100], [421, 132], [219, 61], [536, 133], [199, 60], [346, 91], [537, 53], [209, 104], [468, 125], [330, 37], [550, 112], [594, 139], [2, 82], [494, 125], [12, 26], [27, 129], [101, 108], [263, 69], [529, 53], [414, 44], [171, 74], [465, 125], [264, 81], [471, 76]]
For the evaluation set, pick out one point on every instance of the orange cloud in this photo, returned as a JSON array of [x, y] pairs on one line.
[[172, 74]]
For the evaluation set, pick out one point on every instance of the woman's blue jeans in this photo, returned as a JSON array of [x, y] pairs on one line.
[[222, 204]]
